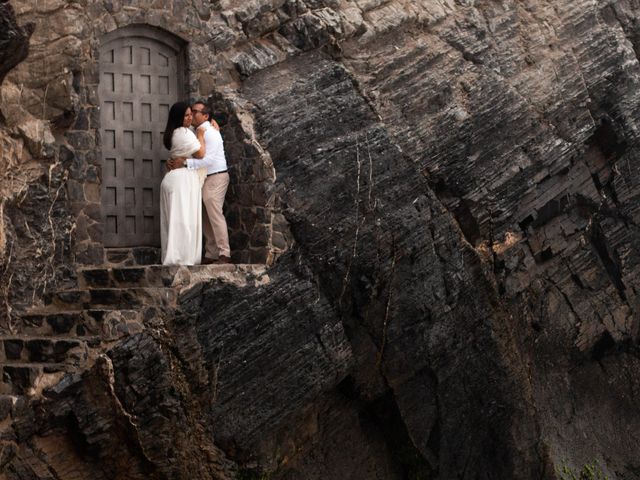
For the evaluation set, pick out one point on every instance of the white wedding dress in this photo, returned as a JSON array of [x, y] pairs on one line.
[[181, 206]]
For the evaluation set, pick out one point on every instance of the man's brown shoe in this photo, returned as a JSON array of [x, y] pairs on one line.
[[207, 261], [223, 259]]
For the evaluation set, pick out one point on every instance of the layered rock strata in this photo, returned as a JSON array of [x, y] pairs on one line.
[[454, 185]]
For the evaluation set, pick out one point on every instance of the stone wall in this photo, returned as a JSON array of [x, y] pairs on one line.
[[457, 184]]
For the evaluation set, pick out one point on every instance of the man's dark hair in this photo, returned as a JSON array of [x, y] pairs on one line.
[[175, 120], [205, 108]]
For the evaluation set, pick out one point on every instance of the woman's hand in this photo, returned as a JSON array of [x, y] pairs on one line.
[[200, 137]]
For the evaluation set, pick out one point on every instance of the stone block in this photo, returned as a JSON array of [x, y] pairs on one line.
[[92, 174], [70, 298], [90, 254], [82, 120], [63, 322], [93, 211], [232, 216], [105, 296], [65, 155], [248, 218], [261, 256], [52, 368], [263, 215], [261, 236], [278, 241], [243, 195], [241, 256], [33, 320], [161, 276], [129, 276], [97, 277], [137, 297], [40, 350], [88, 157], [238, 240], [90, 95], [91, 72], [206, 84], [94, 117], [118, 256], [112, 6], [92, 192], [75, 191], [81, 140], [146, 255], [262, 194], [96, 315], [280, 223], [95, 230], [13, 349], [61, 347], [77, 169]]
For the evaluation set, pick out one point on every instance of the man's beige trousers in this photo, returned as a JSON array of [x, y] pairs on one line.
[[214, 224]]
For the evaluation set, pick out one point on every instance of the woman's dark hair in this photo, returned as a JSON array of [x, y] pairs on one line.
[[175, 120]]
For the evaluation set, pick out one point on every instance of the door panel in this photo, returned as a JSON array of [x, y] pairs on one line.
[[139, 80]]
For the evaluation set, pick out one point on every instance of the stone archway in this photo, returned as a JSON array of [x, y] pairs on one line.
[[142, 72]]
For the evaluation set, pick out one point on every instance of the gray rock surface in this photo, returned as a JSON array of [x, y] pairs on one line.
[[452, 187]]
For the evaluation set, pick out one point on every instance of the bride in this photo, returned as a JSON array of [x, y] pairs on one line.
[[181, 193]]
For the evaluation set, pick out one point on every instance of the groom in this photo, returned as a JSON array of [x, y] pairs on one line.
[[215, 185]]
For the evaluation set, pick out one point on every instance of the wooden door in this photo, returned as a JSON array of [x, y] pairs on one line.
[[140, 78]]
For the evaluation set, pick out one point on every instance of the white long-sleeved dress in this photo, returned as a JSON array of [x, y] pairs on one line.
[[181, 206]]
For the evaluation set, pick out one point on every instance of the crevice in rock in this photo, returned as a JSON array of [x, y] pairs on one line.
[[605, 148], [611, 264], [384, 412], [458, 207], [604, 344]]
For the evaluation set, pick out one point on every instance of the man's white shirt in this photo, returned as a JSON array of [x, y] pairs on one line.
[[214, 159]]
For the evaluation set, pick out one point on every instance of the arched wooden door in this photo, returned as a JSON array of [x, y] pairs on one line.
[[141, 75]]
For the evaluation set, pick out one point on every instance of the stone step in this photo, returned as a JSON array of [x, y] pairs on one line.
[[112, 298], [160, 276], [132, 256], [26, 378], [65, 350], [106, 324]]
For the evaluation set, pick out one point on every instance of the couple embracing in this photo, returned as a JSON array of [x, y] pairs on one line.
[[197, 175]]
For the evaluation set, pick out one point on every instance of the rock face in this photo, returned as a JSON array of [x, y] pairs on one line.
[[14, 43], [452, 189]]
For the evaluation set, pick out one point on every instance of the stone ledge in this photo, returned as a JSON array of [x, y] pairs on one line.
[[113, 298], [159, 276]]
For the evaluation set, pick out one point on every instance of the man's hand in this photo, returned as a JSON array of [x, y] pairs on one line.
[[214, 124], [174, 163]]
